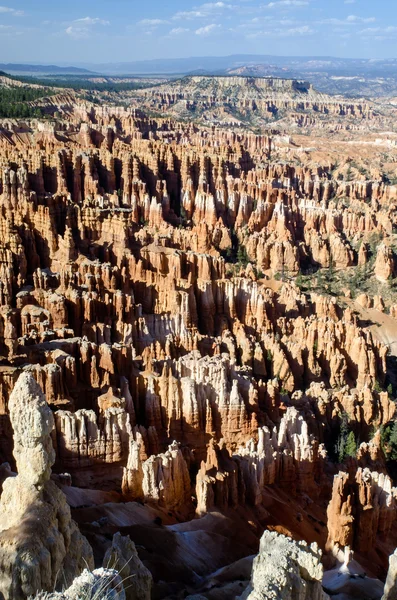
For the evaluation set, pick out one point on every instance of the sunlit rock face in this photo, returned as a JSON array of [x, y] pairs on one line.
[[210, 313], [285, 569]]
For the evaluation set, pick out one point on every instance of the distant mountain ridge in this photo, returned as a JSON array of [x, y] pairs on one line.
[[351, 77], [214, 65], [50, 69], [221, 64]]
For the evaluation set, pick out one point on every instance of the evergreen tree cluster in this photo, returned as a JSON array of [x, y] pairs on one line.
[[346, 444], [84, 83], [237, 254], [14, 101], [389, 441]]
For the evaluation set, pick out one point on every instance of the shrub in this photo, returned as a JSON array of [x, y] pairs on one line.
[[377, 387]]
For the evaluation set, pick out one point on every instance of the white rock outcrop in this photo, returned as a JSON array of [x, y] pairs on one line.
[[163, 478], [102, 584], [390, 592], [285, 570], [40, 545]]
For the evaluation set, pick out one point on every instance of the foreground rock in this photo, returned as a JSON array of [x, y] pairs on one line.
[[102, 584], [285, 570], [123, 558], [390, 592], [40, 546]]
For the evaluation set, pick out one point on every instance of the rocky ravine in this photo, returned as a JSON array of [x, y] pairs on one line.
[[191, 305]]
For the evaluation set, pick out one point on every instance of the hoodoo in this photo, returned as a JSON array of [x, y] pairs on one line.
[[198, 334], [39, 541]]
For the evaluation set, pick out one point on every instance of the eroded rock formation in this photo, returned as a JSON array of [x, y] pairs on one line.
[[285, 569], [163, 478], [205, 309], [38, 539], [363, 505]]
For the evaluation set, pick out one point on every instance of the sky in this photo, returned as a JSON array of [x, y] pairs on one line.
[[104, 31]]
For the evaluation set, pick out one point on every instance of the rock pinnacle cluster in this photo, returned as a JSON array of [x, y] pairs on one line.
[[198, 341]]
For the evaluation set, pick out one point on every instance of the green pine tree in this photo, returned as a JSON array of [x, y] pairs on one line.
[[242, 256], [392, 454], [351, 445], [340, 446]]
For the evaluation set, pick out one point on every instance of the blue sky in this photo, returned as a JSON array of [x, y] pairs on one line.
[[77, 31]]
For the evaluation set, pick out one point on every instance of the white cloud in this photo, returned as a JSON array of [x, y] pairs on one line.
[[304, 30], [12, 11], [92, 21], [188, 14], [152, 22], [282, 3], [77, 33], [178, 31], [205, 10], [375, 31], [355, 19], [255, 23], [207, 30], [215, 5], [81, 29], [350, 20]]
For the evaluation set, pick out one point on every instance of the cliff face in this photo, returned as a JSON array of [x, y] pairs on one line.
[[267, 95], [289, 458], [187, 299]]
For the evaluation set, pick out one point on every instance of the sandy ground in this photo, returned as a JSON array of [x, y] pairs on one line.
[[382, 326]]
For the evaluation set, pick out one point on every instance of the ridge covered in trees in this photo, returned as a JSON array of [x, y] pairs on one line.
[[14, 101]]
